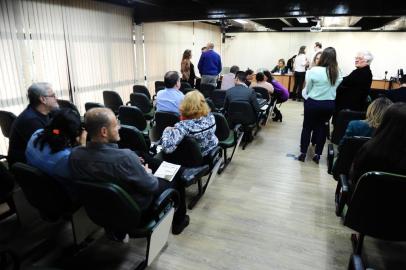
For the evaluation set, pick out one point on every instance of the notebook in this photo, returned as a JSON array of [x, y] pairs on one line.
[[167, 171]]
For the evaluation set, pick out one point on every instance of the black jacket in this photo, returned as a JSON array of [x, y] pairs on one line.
[[241, 93]]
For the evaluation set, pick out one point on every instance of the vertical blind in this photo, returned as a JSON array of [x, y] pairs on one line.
[[84, 46]]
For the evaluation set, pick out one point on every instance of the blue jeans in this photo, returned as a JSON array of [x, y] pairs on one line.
[[316, 114]]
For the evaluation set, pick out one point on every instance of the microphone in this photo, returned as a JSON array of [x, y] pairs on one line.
[[386, 72]]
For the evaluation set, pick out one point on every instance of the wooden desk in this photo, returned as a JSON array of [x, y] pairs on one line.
[[384, 85], [287, 81]]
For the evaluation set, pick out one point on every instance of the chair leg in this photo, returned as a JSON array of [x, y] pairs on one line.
[[225, 162], [197, 197], [357, 243]]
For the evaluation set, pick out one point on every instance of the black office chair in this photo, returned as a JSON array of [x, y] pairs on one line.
[[112, 100], [66, 104], [163, 120], [133, 139], [185, 87], [133, 116], [227, 138], [44, 193], [265, 95], [218, 97], [343, 118], [207, 89], [376, 208], [188, 154], [6, 121], [143, 103], [241, 112], [197, 84], [141, 89], [159, 85], [91, 105], [9, 260], [6, 190], [347, 151], [112, 208]]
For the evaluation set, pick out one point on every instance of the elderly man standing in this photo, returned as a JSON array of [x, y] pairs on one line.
[[42, 101], [353, 91], [210, 65]]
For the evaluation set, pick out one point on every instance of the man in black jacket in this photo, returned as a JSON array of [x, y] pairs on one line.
[[240, 92], [353, 91]]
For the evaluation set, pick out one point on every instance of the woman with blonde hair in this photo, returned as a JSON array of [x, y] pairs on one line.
[[187, 68], [374, 116], [196, 121]]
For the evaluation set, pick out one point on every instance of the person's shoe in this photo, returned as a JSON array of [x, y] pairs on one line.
[[178, 228], [316, 158], [301, 157], [278, 117]]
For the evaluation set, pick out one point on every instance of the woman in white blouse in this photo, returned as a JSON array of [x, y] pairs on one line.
[[300, 65]]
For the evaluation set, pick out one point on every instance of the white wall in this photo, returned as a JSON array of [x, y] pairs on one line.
[[262, 50]]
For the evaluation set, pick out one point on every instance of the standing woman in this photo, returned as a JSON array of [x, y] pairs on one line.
[[321, 85], [300, 65], [187, 68]]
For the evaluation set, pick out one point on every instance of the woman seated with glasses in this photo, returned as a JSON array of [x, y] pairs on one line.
[[196, 121]]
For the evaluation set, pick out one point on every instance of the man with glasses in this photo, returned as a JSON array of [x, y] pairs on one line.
[[42, 101]]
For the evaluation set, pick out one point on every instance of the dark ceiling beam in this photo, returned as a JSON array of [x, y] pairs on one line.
[[369, 23]]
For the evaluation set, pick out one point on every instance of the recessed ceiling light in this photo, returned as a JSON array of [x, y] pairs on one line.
[[240, 21]]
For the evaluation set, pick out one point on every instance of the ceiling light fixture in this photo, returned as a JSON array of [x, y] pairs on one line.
[[302, 20], [240, 21]]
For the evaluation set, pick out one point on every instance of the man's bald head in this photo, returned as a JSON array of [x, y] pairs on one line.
[[96, 119], [210, 46]]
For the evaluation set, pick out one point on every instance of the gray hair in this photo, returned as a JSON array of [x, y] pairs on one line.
[[37, 90], [210, 45], [367, 56]]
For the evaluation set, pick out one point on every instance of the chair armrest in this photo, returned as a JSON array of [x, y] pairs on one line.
[[214, 156], [344, 183], [190, 175], [160, 203], [330, 157]]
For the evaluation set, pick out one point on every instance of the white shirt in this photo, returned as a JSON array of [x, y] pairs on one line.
[[300, 63]]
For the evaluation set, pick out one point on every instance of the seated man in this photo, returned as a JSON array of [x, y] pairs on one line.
[[169, 99], [42, 101], [240, 92], [228, 79], [102, 160], [261, 82]]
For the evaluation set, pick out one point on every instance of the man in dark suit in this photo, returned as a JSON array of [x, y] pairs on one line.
[[398, 95], [240, 92], [353, 91]]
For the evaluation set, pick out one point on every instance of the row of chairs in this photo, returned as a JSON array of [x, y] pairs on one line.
[[375, 203]]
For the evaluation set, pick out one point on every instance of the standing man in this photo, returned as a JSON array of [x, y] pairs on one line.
[[42, 101], [317, 48], [210, 65]]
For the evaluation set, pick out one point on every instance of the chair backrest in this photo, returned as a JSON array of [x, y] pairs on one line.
[[6, 121], [159, 85], [184, 86], [112, 100], [343, 118], [163, 120], [133, 139], [141, 89], [206, 89], [377, 206], [44, 193], [6, 183], [187, 154], [197, 84], [222, 128], [109, 206], [241, 112], [91, 105], [218, 97], [262, 91], [346, 154], [141, 101], [66, 104], [132, 116]]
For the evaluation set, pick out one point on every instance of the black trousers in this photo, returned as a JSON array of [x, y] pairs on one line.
[[298, 86], [316, 114]]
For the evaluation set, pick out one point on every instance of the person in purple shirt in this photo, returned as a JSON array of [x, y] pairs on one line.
[[209, 65], [281, 92]]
